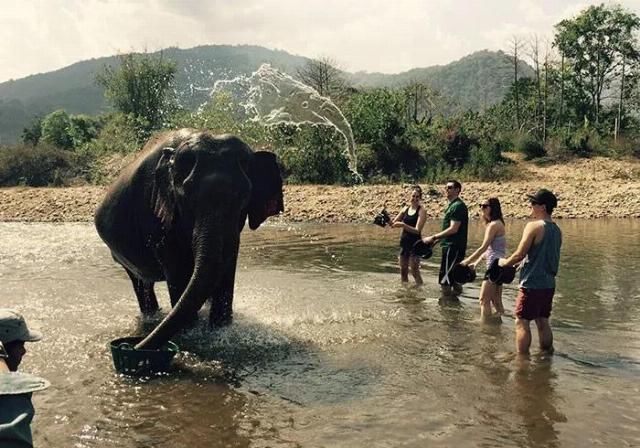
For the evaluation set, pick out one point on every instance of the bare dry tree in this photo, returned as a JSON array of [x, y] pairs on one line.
[[534, 56], [325, 76], [515, 45], [422, 102]]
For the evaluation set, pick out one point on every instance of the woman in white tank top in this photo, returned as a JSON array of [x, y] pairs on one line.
[[493, 246]]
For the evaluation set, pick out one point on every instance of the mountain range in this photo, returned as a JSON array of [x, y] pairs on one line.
[[475, 81]]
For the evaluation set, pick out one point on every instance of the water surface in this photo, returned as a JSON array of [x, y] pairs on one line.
[[328, 349]]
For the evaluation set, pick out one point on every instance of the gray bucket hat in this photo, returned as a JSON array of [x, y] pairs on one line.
[[14, 328]]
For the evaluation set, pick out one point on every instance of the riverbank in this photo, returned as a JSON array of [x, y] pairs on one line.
[[586, 188]]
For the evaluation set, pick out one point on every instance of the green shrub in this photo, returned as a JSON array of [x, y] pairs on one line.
[[485, 162], [438, 172], [625, 147], [457, 144], [529, 146], [32, 134], [37, 166], [120, 134], [557, 149], [378, 118], [56, 129], [584, 142], [84, 128], [321, 166], [313, 155], [367, 162]]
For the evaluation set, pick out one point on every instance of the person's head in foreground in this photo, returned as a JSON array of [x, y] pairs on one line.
[[13, 335]]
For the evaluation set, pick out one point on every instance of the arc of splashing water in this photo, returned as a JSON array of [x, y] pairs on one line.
[[272, 97]]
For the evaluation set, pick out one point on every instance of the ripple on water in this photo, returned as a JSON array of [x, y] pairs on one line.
[[327, 349]]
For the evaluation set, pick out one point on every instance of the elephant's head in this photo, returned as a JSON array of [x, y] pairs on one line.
[[204, 186]]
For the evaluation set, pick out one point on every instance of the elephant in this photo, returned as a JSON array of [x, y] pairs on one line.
[[175, 214]]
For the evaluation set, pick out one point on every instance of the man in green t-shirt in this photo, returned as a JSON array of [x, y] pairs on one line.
[[452, 237]]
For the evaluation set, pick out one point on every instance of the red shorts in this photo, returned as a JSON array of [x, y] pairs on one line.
[[534, 303]]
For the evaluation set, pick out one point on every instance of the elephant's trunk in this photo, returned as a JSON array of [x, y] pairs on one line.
[[209, 245]]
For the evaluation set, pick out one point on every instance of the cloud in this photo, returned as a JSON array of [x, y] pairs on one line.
[[372, 35]]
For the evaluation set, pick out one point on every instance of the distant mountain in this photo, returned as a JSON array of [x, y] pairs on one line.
[[474, 81], [73, 88]]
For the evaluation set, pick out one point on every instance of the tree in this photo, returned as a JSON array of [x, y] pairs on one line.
[[378, 119], [56, 129], [84, 128], [422, 102], [597, 44], [542, 68], [515, 46], [325, 77], [141, 86], [31, 134]]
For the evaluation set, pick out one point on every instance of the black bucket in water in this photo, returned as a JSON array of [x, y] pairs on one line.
[[128, 360]]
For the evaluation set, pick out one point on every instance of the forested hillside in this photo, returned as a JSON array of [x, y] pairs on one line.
[[476, 81]]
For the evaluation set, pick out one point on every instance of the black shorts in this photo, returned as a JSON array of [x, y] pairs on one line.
[[486, 277], [406, 245], [451, 256]]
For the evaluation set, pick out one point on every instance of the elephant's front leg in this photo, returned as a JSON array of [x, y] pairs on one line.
[[177, 264], [144, 293], [221, 311], [177, 282]]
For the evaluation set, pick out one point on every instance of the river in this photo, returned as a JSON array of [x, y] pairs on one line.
[[328, 349]]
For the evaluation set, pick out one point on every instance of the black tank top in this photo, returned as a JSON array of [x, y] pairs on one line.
[[408, 238]]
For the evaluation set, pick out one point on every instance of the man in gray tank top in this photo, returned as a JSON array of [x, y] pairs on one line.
[[540, 250]]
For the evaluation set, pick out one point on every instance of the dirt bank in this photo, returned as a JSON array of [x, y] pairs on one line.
[[591, 188]]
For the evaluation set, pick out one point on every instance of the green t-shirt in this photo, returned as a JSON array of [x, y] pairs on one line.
[[456, 211]]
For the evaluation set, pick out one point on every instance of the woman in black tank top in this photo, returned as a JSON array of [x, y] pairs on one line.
[[411, 219]]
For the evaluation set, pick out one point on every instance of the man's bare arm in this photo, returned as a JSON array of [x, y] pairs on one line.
[[528, 237], [453, 228]]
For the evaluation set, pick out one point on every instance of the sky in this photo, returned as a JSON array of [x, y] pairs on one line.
[[371, 35]]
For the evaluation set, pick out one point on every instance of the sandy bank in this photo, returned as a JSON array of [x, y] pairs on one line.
[[593, 188]]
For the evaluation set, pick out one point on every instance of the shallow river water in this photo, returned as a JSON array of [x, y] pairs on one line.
[[328, 349]]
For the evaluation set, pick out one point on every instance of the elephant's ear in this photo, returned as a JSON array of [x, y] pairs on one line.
[[163, 197], [183, 168], [174, 177], [266, 188]]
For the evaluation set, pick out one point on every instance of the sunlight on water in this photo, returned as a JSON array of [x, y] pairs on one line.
[[272, 97], [328, 349]]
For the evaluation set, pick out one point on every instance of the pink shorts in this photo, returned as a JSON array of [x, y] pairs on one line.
[[534, 303]]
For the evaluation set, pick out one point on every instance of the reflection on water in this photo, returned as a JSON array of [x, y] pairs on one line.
[[328, 349]]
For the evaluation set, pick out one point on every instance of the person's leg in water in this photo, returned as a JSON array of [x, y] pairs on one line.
[[450, 257], [523, 335], [458, 256], [487, 291], [545, 335], [497, 300], [414, 265], [442, 277], [403, 261]]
